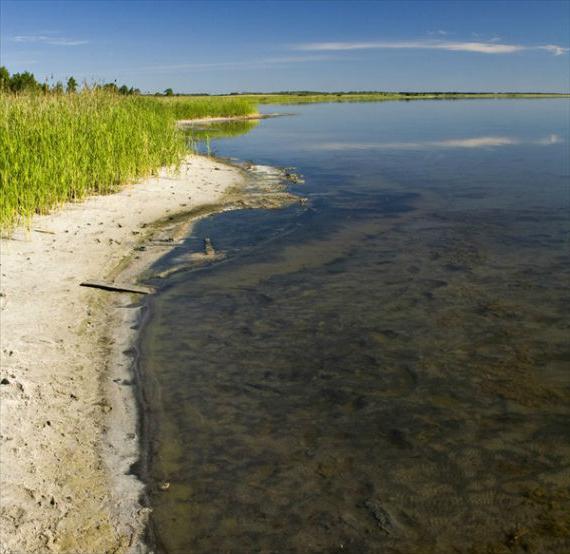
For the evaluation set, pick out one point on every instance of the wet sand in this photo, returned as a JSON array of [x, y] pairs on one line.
[[68, 419]]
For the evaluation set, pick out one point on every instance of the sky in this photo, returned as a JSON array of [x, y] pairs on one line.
[[326, 45]]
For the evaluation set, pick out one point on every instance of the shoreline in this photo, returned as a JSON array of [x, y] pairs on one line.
[[222, 119], [69, 424]]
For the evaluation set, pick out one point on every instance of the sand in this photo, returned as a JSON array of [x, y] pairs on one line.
[[208, 120], [68, 425]]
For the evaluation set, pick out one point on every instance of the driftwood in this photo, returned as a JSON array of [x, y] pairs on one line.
[[119, 287]]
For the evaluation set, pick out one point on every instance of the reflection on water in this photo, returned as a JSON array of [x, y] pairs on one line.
[[385, 370], [474, 142], [199, 135]]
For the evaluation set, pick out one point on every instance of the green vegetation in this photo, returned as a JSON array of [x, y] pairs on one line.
[[71, 85], [61, 143], [26, 82], [19, 82], [208, 106], [306, 97], [60, 147]]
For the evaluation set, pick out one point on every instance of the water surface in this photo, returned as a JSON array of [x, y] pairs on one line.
[[386, 368]]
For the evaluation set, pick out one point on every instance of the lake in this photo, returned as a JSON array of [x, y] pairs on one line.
[[386, 367]]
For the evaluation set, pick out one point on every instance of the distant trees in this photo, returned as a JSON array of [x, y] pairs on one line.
[[4, 79], [20, 82], [123, 89], [26, 82], [168, 92], [109, 87], [71, 85]]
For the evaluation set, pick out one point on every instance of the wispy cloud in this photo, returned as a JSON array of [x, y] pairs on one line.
[[47, 39], [472, 142], [491, 47], [476, 142], [550, 139], [555, 49]]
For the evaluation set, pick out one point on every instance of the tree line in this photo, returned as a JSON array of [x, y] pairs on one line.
[[26, 82]]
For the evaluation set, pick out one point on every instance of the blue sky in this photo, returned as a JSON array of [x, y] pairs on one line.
[[239, 45]]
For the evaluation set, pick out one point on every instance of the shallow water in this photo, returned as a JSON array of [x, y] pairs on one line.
[[386, 368]]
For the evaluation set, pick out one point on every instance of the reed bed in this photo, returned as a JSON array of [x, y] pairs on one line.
[[57, 148], [208, 106]]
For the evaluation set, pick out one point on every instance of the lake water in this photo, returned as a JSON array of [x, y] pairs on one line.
[[386, 368]]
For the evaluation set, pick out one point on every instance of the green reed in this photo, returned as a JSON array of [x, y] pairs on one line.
[[58, 148], [194, 107]]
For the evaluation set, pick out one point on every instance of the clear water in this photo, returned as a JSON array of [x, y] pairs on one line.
[[387, 368]]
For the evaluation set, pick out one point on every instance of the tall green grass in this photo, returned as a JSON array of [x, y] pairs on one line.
[[58, 148], [194, 107]]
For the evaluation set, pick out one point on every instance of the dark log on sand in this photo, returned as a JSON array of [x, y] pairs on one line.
[[119, 287]]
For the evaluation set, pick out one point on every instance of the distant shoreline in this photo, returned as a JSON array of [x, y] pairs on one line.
[[302, 97]]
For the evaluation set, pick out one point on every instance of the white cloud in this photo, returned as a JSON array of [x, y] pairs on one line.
[[46, 39], [477, 142], [550, 139], [491, 47], [473, 142], [480, 47], [556, 50]]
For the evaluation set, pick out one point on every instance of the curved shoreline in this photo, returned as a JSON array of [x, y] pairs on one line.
[[222, 119], [68, 421]]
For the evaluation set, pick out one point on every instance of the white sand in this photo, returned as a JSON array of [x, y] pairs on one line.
[[208, 120], [67, 420]]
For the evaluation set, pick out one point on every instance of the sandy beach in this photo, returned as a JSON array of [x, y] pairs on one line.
[[208, 120], [68, 410]]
